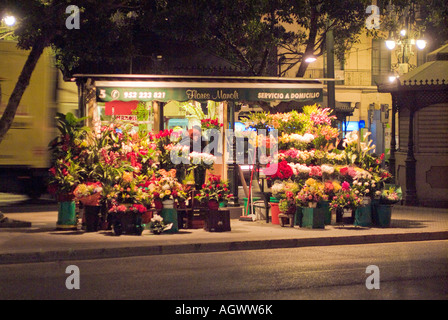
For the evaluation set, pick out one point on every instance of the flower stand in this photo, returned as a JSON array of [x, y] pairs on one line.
[[170, 216], [382, 214], [67, 219], [217, 220], [92, 217], [313, 218], [363, 216], [286, 219]]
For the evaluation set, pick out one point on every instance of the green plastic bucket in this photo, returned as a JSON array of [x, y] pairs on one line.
[[67, 219], [313, 218], [363, 216], [325, 206], [170, 216], [382, 215], [247, 209]]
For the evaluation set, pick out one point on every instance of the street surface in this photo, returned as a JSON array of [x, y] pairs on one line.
[[411, 270]]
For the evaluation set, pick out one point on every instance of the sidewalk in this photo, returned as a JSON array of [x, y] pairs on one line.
[[41, 242]]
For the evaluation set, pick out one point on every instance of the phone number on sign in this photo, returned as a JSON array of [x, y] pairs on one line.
[[143, 95]]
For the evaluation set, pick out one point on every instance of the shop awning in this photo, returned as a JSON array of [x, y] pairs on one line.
[[183, 88]]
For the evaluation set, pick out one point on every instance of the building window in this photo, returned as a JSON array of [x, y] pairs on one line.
[[381, 62]]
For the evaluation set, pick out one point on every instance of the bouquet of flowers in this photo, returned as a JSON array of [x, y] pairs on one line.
[[311, 193], [281, 171], [208, 123], [204, 160], [346, 198], [391, 195], [157, 225], [167, 187], [89, 193], [214, 189], [288, 204]]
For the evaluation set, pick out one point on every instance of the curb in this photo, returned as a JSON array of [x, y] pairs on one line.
[[104, 253]]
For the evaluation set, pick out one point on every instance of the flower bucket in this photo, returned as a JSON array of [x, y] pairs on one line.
[[127, 223], [247, 206], [213, 204], [325, 206], [363, 216], [344, 215], [158, 204], [298, 217], [67, 216], [92, 217], [274, 213], [146, 217], [382, 215], [170, 216], [168, 204], [313, 218]]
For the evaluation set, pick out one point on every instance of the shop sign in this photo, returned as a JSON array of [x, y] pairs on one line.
[[105, 94]]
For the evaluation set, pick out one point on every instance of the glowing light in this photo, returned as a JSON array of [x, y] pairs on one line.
[[403, 32], [10, 20], [392, 78], [310, 59], [421, 44], [390, 44]]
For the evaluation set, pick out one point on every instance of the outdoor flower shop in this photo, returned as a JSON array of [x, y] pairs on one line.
[[126, 172]]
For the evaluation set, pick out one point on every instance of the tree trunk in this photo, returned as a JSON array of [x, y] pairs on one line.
[[309, 50], [22, 83]]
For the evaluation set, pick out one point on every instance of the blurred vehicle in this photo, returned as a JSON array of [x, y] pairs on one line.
[[24, 155]]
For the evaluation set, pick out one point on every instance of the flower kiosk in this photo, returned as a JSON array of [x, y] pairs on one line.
[[125, 166], [129, 162]]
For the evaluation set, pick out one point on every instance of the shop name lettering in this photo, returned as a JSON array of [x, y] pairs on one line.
[[230, 309], [219, 95], [292, 95]]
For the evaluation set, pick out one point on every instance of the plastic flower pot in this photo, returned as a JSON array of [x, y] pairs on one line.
[[170, 216], [325, 206], [67, 216], [382, 215], [92, 218], [275, 211], [213, 204], [363, 216], [313, 218]]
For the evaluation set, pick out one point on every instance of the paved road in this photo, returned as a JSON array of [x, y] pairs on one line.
[[411, 270]]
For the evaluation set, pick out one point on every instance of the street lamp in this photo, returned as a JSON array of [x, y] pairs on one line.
[[9, 20], [405, 49]]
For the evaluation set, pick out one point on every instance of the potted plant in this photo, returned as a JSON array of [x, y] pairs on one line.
[[89, 194], [345, 201], [390, 195], [311, 193], [287, 208], [66, 171], [200, 162], [213, 193]]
